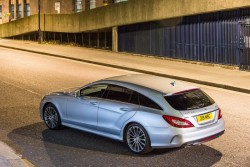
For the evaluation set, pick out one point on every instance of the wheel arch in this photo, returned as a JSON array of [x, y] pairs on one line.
[[145, 119], [124, 130], [126, 126]]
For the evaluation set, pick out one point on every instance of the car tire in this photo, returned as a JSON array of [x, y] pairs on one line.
[[51, 117], [137, 139]]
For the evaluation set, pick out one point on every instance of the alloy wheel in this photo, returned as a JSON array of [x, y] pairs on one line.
[[51, 117], [136, 139]]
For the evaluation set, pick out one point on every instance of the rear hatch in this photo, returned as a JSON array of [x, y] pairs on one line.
[[195, 106]]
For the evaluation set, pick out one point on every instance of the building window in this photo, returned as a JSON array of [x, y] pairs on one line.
[[92, 4], [58, 7], [26, 8], [19, 11], [12, 10], [78, 6], [1, 12], [118, 1]]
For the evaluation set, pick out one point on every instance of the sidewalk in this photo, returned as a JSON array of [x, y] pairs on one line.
[[216, 76], [8, 158]]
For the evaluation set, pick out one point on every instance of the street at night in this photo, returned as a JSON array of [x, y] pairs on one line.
[[26, 77]]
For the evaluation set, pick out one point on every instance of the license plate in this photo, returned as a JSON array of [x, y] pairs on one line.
[[204, 117]]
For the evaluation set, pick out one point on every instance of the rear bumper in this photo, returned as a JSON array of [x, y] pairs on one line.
[[200, 141], [177, 137]]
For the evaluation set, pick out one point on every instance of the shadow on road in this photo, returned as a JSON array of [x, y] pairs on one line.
[[69, 145]]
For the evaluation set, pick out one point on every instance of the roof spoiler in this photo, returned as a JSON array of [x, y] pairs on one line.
[[181, 92]]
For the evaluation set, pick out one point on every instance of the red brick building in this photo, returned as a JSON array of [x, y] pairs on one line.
[[16, 9]]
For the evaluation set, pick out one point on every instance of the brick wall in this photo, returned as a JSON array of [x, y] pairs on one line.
[[5, 7], [33, 7], [99, 3], [47, 6], [1, 13]]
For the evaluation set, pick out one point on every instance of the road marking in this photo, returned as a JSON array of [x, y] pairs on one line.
[[30, 91]]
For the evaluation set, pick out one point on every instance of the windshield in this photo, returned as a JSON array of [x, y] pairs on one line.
[[189, 100]]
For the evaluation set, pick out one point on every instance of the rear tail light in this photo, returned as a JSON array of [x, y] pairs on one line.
[[178, 122], [220, 114]]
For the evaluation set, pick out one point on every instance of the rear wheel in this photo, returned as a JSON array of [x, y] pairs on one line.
[[137, 139], [51, 117]]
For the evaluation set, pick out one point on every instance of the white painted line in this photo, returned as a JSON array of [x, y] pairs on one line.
[[30, 91]]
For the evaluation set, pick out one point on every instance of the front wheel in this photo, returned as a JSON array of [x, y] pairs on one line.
[[137, 139], [51, 117]]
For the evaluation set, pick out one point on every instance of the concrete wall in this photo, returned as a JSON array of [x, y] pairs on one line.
[[133, 11], [21, 26], [60, 23]]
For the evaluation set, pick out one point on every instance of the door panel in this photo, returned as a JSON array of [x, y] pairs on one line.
[[82, 111], [113, 114]]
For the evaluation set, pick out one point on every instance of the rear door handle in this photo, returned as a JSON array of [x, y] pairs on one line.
[[124, 109], [94, 103]]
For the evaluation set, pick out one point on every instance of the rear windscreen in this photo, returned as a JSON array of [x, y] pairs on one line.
[[189, 100]]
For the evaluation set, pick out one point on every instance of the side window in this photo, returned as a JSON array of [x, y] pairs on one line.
[[93, 91], [146, 102], [118, 93], [135, 98]]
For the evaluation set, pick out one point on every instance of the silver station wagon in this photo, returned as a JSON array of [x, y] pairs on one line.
[[144, 111]]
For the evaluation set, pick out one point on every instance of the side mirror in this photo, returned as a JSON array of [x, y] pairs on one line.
[[77, 93]]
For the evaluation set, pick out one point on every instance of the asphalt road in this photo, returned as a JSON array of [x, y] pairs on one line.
[[26, 77]]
